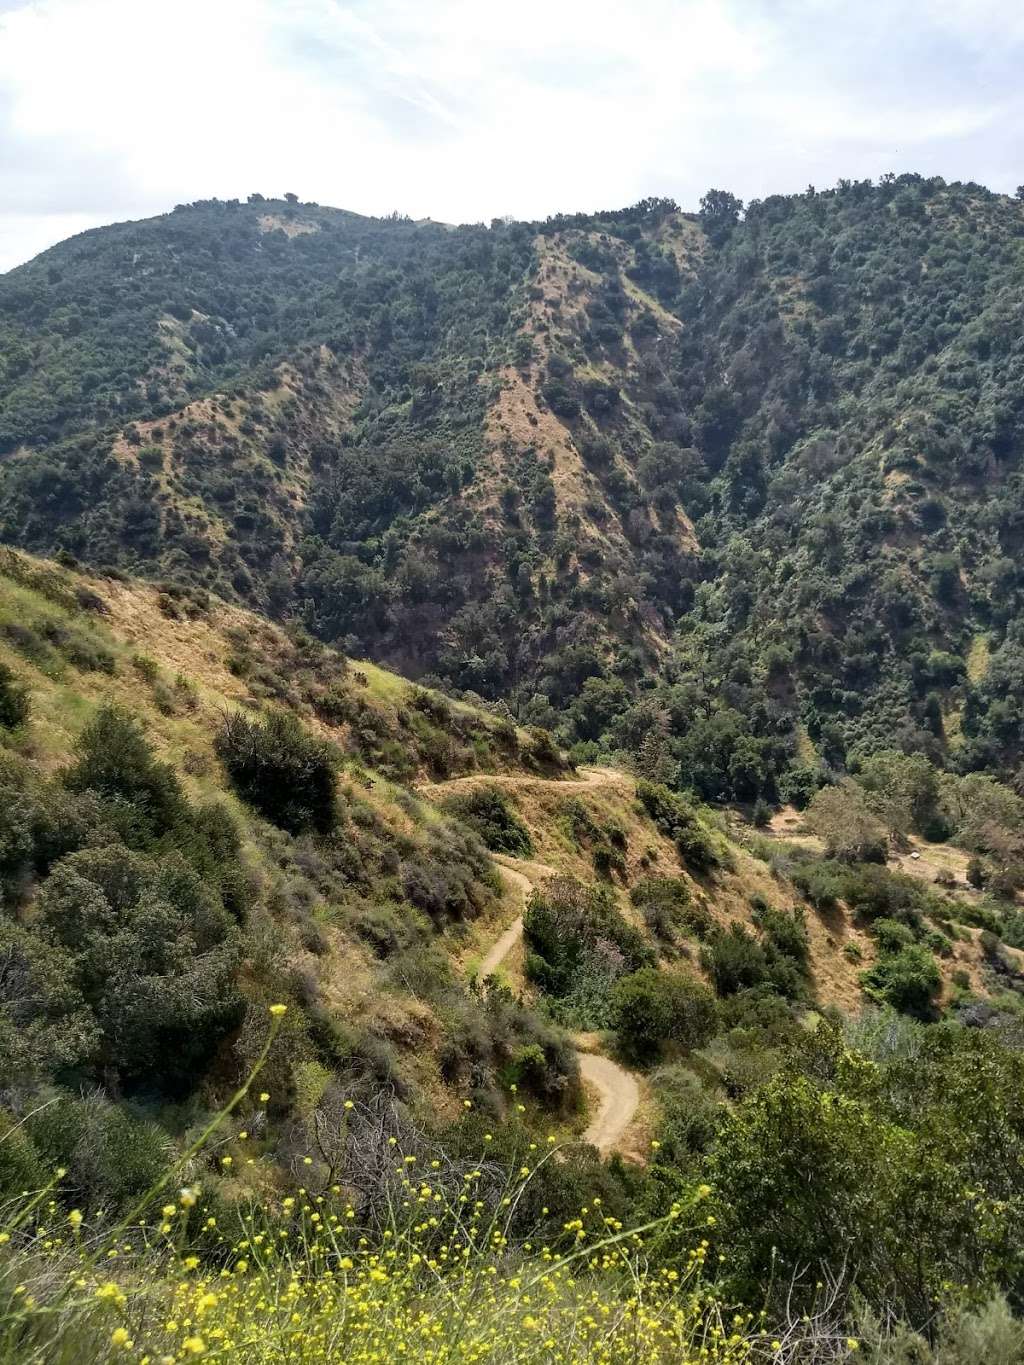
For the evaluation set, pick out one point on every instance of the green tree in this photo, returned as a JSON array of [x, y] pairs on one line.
[[652, 1007]]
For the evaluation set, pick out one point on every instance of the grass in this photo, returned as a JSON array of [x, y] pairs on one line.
[[427, 1269]]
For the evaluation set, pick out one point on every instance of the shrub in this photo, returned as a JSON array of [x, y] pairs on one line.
[[115, 761], [281, 770], [488, 812], [908, 980], [14, 703], [874, 892], [151, 952], [650, 1007], [663, 902], [977, 872], [891, 935], [676, 818], [578, 944], [735, 960], [786, 933]]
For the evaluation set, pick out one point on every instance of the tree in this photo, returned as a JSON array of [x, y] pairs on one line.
[[807, 1181], [842, 817], [720, 212], [282, 770], [903, 791], [651, 1007], [151, 952]]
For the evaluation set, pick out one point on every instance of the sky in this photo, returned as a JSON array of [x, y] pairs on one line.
[[466, 110]]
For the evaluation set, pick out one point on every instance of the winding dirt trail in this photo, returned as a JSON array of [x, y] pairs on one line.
[[618, 1092], [617, 1089], [586, 777]]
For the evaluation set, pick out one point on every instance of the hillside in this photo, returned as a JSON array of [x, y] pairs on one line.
[[364, 888], [204, 815], [768, 462], [521, 720]]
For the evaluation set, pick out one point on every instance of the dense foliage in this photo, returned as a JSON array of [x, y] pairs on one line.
[[840, 418]]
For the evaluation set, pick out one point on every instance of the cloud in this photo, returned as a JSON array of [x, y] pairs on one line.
[[461, 110]]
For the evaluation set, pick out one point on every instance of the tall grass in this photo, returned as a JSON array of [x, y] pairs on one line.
[[434, 1275]]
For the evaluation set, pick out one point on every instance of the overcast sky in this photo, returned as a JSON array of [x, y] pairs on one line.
[[463, 110]]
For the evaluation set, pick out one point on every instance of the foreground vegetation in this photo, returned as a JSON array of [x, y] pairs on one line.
[[438, 1260]]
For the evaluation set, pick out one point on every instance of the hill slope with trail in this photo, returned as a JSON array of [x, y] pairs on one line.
[[617, 1088]]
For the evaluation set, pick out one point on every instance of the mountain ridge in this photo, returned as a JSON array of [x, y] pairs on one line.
[[775, 448]]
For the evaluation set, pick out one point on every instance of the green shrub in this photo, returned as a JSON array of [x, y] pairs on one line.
[[907, 979], [489, 813], [578, 944], [664, 903], [281, 770], [735, 960], [677, 819], [785, 932], [891, 935], [115, 761], [14, 703], [650, 1008]]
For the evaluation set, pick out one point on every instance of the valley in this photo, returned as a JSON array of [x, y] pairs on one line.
[[512, 775]]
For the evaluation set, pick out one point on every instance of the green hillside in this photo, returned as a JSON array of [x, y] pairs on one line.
[[571, 672], [771, 461]]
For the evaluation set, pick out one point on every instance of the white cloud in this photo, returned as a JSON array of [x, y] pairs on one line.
[[464, 109]]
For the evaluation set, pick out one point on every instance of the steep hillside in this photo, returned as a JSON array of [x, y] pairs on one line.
[[202, 814], [343, 853], [586, 996], [771, 460]]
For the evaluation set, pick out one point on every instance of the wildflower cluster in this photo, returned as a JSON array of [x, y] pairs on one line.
[[304, 1279], [434, 1269]]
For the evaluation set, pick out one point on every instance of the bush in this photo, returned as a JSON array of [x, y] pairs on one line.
[[663, 902], [488, 812], [115, 761], [891, 935], [650, 1008], [977, 872], [908, 980], [785, 933], [14, 703], [151, 951], [577, 945], [676, 818], [281, 770], [735, 960]]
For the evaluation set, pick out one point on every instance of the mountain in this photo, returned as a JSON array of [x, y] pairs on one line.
[[538, 698], [765, 467]]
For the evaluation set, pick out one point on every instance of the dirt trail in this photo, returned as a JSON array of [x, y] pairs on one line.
[[620, 1099], [586, 777], [618, 1092]]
